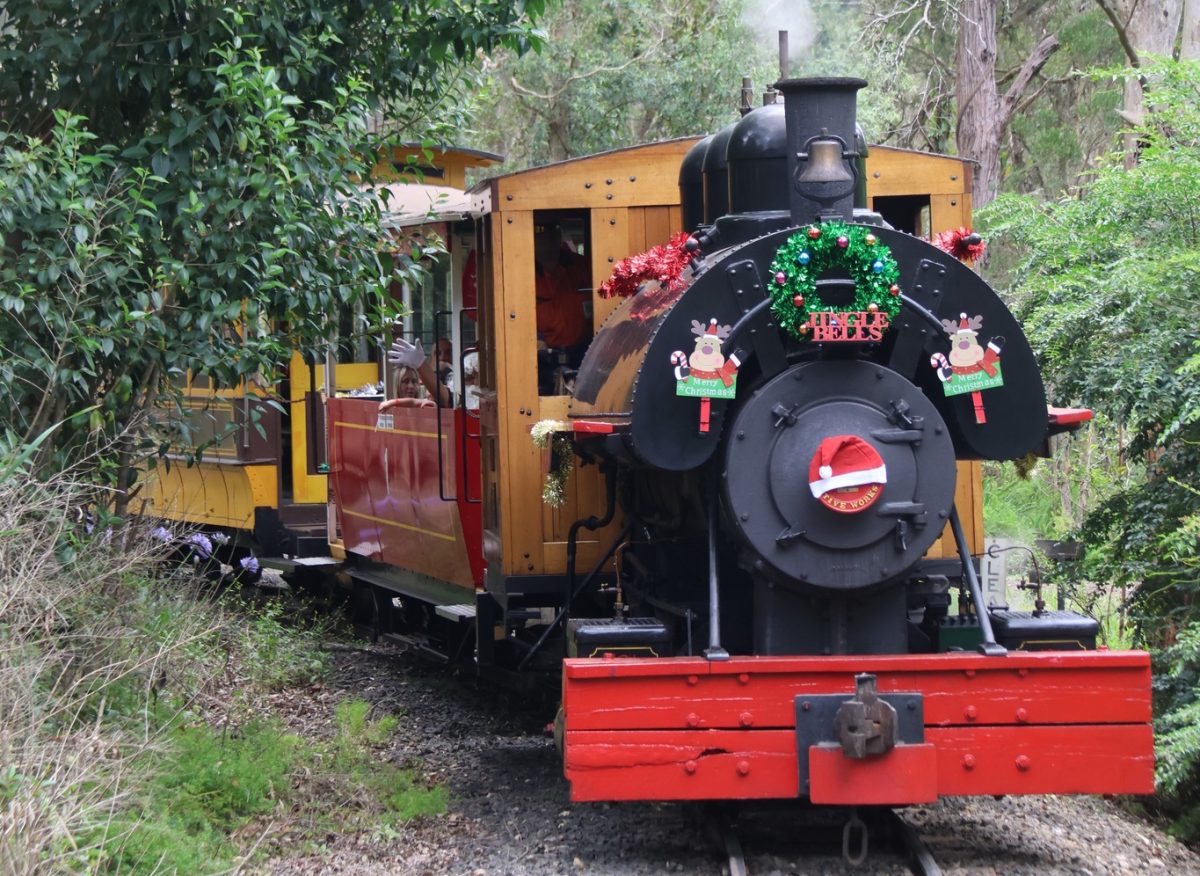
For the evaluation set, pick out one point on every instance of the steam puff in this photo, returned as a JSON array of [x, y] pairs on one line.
[[767, 17]]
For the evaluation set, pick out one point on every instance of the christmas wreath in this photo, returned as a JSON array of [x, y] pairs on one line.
[[813, 251], [555, 436]]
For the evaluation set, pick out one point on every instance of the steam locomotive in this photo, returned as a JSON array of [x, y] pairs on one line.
[[782, 483]]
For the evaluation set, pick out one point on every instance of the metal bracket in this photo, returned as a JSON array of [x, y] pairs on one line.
[[901, 417], [785, 416], [816, 723]]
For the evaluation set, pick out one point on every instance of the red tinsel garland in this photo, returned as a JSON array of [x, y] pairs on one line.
[[955, 242], [664, 263]]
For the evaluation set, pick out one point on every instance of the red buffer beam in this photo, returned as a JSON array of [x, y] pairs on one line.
[[684, 728]]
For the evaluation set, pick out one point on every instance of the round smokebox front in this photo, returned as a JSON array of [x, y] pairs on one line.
[[839, 475]]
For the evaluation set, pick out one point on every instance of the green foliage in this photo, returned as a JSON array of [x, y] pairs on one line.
[[619, 72], [178, 191], [284, 653], [1177, 676], [400, 793], [410, 798], [1020, 508], [1104, 282], [196, 792], [350, 719], [1102, 285]]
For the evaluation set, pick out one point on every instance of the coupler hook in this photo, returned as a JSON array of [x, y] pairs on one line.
[[855, 825]]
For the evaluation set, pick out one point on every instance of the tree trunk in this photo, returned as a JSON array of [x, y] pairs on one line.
[[1189, 34], [558, 130], [1143, 28], [983, 114], [978, 100]]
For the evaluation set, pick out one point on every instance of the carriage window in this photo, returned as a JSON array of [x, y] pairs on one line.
[[563, 288]]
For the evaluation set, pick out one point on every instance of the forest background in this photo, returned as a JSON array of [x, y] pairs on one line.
[[171, 172]]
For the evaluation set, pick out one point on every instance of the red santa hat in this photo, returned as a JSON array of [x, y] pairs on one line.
[[711, 331], [843, 461]]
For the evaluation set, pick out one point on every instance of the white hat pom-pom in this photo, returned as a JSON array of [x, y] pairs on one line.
[[825, 471]]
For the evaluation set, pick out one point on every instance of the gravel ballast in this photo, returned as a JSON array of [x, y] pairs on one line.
[[509, 811]]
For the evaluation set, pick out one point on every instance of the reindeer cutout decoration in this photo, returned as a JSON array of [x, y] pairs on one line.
[[707, 373], [970, 366]]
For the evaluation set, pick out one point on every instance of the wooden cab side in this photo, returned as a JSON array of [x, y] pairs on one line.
[[614, 205]]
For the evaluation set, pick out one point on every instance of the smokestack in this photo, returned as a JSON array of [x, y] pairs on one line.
[[783, 55], [820, 115]]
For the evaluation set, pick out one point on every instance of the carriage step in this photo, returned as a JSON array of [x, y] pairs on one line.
[[291, 564], [457, 613]]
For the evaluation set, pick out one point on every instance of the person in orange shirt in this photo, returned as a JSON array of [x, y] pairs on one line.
[[560, 275]]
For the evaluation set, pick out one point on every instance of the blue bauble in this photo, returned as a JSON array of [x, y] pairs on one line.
[[877, 267], [803, 259]]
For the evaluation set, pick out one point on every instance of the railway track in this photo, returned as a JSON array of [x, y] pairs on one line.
[[864, 834]]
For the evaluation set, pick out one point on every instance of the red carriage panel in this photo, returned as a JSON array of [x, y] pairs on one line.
[[390, 475]]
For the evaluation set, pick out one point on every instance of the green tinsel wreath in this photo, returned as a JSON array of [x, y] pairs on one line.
[[805, 257]]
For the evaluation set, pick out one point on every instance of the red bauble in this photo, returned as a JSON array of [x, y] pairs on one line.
[[798, 300], [843, 242], [814, 232], [894, 289]]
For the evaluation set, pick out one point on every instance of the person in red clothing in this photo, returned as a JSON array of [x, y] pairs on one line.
[[562, 281]]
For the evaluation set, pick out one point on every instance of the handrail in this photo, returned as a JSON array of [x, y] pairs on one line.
[[437, 314], [467, 416]]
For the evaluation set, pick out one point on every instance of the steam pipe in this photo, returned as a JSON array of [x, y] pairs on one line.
[[989, 645], [714, 651]]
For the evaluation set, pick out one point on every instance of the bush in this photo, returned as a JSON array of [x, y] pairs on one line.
[[110, 657]]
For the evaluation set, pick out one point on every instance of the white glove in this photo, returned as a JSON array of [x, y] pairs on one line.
[[406, 353]]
